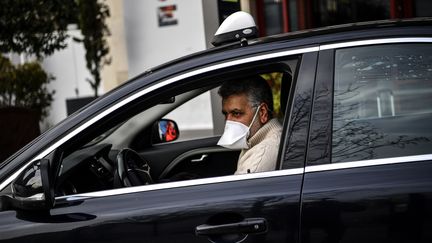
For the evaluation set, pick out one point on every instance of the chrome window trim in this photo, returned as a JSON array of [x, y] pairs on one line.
[[178, 184], [233, 178], [376, 42], [152, 88], [367, 163]]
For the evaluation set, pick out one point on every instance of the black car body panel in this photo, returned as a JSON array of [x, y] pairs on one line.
[[160, 215], [386, 203]]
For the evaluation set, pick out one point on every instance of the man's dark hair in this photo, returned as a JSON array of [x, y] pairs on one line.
[[255, 87]]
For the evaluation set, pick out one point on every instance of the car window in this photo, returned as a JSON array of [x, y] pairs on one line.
[[130, 147], [382, 102]]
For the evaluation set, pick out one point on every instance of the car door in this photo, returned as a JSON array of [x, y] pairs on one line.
[[368, 174], [254, 207]]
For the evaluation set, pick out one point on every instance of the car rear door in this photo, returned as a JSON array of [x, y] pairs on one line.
[[369, 165]]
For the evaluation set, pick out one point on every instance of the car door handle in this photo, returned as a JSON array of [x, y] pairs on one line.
[[201, 159], [247, 226]]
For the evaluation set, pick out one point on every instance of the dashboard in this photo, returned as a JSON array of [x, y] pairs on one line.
[[88, 169]]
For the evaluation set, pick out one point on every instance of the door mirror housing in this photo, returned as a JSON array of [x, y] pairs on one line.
[[33, 189], [165, 130]]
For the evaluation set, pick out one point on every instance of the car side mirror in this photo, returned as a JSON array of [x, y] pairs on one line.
[[165, 130], [33, 189]]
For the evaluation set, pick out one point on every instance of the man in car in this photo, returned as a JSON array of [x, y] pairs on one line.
[[247, 105]]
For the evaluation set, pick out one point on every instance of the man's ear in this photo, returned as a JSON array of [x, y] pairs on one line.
[[263, 113]]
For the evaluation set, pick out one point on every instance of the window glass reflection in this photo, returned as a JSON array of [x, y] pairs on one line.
[[383, 102]]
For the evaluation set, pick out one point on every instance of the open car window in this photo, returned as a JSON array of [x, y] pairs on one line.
[[94, 161]]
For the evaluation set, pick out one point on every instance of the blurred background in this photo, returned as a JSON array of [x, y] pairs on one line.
[[58, 55]]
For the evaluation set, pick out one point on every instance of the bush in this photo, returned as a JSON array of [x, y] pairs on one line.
[[25, 86]]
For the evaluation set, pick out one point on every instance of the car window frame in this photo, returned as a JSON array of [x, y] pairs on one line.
[[231, 178], [327, 52]]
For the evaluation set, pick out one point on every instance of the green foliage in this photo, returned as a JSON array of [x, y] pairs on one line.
[[275, 80], [25, 86], [94, 30], [36, 27]]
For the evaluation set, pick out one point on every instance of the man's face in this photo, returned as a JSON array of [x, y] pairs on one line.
[[237, 108]]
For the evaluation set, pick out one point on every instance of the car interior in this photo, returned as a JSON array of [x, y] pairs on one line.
[[130, 147]]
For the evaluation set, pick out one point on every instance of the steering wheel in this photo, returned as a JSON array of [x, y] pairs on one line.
[[132, 169]]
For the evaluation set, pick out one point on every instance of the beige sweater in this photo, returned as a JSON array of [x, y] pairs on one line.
[[263, 149]]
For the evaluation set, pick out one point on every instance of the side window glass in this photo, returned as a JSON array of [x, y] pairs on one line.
[[382, 102]]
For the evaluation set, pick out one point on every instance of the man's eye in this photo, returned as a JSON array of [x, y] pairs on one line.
[[236, 113]]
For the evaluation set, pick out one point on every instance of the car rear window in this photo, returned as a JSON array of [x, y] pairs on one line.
[[382, 104]]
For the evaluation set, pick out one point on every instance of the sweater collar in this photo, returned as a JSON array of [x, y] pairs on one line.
[[262, 132]]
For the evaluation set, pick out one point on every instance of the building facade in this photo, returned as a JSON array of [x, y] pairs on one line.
[[279, 16]]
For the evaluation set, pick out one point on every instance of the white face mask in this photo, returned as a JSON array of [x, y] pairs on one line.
[[235, 134]]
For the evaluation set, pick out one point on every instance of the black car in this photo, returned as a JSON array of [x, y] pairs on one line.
[[354, 165]]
